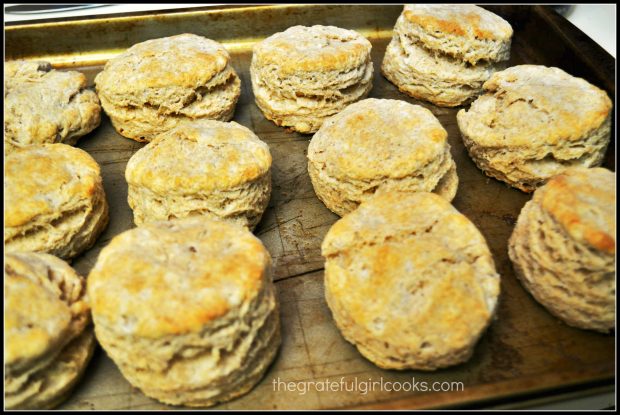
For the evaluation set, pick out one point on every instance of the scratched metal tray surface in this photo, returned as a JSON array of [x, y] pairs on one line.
[[525, 353]]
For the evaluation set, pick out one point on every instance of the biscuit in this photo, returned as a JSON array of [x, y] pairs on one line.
[[54, 200], [380, 144], [409, 281], [201, 167], [154, 85], [304, 75], [49, 340], [533, 122], [186, 309], [43, 105], [444, 53], [564, 244]]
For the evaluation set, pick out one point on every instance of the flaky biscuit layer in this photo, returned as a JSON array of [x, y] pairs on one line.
[[563, 247], [467, 32]]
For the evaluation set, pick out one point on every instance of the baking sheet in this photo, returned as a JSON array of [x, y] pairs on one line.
[[525, 351]]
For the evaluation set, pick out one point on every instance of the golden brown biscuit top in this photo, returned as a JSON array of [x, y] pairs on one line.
[[45, 179], [198, 156], [583, 201], [44, 306], [530, 105], [185, 60], [378, 138], [463, 20], [313, 49], [412, 271], [175, 277]]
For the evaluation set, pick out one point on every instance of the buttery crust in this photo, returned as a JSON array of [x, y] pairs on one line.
[[533, 122], [43, 105], [154, 84], [428, 271], [379, 144], [48, 338], [201, 167], [563, 247], [193, 318], [55, 201], [303, 75]]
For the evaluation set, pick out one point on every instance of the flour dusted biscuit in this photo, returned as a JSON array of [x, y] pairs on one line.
[[304, 75], [186, 309], [380, 144], [201, 167], [563, 247], [409, 281], [43, 105], [54, 200], [534, 122], [48, 337], [444, 53], [152, 86]]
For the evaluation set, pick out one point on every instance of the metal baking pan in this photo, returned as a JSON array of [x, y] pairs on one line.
[[526, 353]]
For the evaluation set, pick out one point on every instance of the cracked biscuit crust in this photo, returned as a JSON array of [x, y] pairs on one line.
[[193, 318], [155, 84], [54, 200], [43, 105], [534, 122], [563, 247], [429, 273], [380, 144], [201, 167], [46, 326]]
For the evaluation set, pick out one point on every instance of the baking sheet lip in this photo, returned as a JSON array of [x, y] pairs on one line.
[[141, 15]]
